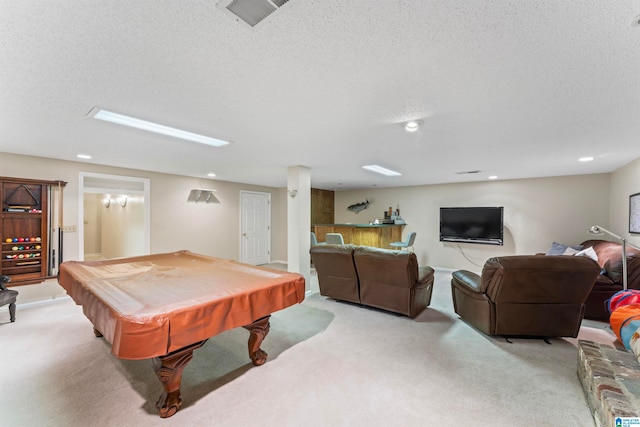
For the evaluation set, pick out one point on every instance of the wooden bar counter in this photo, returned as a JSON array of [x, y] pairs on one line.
[[379, 236]]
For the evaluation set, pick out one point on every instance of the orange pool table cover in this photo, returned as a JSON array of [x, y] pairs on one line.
[[151, 305]]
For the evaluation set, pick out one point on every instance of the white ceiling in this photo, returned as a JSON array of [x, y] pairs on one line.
[[515, 88]]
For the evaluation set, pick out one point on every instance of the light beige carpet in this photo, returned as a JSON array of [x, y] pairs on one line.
[[330, 364]]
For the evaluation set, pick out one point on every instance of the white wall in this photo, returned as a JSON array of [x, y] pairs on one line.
[[536, 213], [122, 231], [211, 229], [624, 182], [93, 223]]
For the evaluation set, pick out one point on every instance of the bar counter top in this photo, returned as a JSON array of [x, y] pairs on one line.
[[376, 235], [355, 225]]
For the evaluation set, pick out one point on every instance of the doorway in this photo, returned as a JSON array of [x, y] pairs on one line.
[[255, 224], [115, 211]]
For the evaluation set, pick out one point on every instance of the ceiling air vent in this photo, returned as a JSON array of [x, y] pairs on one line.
[[251, 12]]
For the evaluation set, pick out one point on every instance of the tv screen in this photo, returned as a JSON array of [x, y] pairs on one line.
[[472, 225]]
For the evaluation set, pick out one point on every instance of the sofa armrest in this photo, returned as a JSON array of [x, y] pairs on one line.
[[425, 275], [468, 280], [3, 280]]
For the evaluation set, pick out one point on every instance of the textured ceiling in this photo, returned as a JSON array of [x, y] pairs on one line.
[[515, 89]]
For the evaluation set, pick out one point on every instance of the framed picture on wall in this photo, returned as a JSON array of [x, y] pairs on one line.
[[634, 213]]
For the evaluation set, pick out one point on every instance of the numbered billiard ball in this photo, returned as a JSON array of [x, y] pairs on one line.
[[15, 248], [38, 239], [15, 239], [9, 240]]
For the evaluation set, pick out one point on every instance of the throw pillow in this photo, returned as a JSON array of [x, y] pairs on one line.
[[570, 251], [589, 252], [559, 248]]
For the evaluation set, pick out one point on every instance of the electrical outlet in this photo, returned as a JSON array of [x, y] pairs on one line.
[[69, 228]]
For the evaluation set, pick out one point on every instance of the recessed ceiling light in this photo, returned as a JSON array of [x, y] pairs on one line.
[[493, 177], [636, 21], [121, 119], [83, 156], [381, 170], [211, 174], [585, 159], [412, 125]]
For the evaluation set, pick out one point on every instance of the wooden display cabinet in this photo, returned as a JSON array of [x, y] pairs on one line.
[[24, 229]]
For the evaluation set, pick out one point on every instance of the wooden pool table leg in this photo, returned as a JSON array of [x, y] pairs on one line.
[[258, 331], [169, 370]]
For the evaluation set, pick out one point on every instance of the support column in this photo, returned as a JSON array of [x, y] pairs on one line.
[[299, 221]]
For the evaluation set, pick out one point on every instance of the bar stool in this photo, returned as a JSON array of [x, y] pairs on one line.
[[334, 239], [411, 238]]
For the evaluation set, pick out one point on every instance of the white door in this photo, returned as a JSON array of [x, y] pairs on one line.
[[255, 227]]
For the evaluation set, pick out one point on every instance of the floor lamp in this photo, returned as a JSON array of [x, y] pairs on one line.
[[597, 230]]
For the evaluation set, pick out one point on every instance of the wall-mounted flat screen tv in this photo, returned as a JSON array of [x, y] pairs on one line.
[[472, 225]]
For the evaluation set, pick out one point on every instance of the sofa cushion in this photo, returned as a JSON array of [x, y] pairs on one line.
[[610, 259], [337, 276], [391, 280]]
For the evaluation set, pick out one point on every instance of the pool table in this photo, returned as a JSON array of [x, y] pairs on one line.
[[165, 306]]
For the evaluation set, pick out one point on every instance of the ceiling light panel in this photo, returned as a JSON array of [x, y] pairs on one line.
[[381, 170], [121, 119]]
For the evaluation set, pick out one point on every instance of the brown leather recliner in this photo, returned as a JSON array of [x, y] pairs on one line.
[[392, 280], [525, 295], [336, 271]]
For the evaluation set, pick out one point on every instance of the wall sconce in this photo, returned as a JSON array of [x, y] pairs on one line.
[[202, 195], [293, 193], [122, 201]]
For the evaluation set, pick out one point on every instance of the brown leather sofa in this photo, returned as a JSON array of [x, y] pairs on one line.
[[381, 278], [525, 295], [609, 281]]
